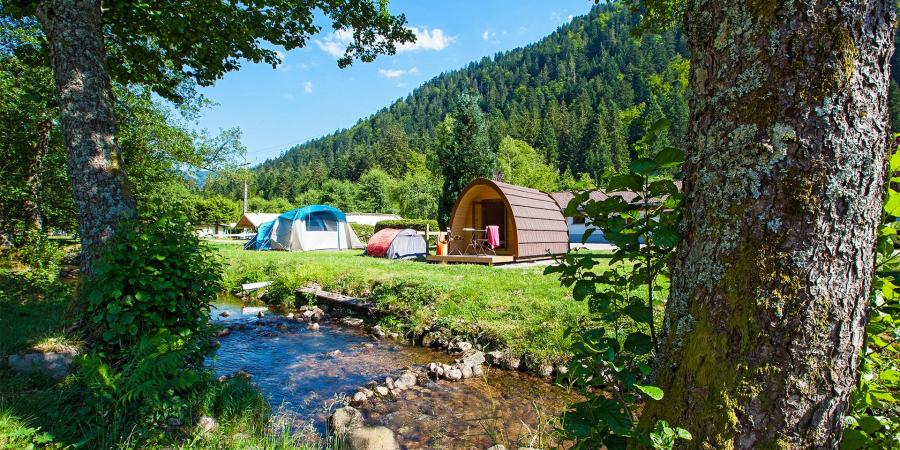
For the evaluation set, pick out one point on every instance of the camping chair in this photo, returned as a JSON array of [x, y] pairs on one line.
[[455, 243], [480, 244], [468, 237]]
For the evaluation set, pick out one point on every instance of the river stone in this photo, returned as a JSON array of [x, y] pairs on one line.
[[473, 358], [377, 332], [289, 316], [382, 390], [281, 326], [461, 346], [224, 313], [494, 358], [223, 332], [352, 321], [389, 382], [345, 419], [454, 374], [312, 326], [372, 438], [367, 392], [334, 354], [466, 371], [407, 380], [510, 362], [242, 374], [52, 364], [260, 314], [358, 399], [497, 447], [207, 425], [546, 370], [477, 371]]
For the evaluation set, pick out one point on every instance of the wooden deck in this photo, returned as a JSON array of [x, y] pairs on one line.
[[471, 259]]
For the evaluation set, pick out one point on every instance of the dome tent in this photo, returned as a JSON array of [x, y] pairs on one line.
[[392, 243], [314, 227]]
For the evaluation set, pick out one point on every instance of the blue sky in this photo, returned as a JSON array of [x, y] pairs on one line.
[[308, 96]]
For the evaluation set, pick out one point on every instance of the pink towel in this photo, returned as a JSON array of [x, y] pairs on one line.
[[493, 235]]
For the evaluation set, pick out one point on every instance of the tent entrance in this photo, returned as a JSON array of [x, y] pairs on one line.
[[493, 212]]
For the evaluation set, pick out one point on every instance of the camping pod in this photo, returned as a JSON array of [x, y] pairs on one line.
[[314, 227], [530, 223], [392, 243]]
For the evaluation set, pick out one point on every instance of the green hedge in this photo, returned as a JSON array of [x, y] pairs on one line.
[[415, 224], [363, 231]]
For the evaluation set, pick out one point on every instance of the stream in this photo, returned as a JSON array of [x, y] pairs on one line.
[[301, 379]]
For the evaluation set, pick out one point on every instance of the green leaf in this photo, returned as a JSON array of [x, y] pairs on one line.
[[652, 391], [643, 166], [638, 312], [583, 289], [892, 203], [638, 343], [669, 157]]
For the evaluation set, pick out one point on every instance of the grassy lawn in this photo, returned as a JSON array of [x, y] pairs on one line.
[[520, 308]]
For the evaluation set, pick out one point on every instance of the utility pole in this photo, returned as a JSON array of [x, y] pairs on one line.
[[246, 175]]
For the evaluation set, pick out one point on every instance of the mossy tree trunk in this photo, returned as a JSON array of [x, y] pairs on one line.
[[78, 57], [785, 162]]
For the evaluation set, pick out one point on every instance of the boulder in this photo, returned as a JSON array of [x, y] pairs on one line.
[[352, 321], [224, 313], [345, 419], [372, 438], [377, 332], [473, 358], [52, 364], [207, 425]]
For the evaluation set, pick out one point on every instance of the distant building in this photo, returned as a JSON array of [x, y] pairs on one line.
[[370, 218], [252, 221]]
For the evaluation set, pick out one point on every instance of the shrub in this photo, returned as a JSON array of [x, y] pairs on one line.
[[154, 276], [147, 304], [415, 224], [363, 231], [406, 301]]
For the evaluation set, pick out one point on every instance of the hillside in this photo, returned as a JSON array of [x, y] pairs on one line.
[[579, 96]]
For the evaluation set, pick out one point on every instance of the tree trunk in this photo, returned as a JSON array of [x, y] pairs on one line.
[[32, 204], [783, 193], [78, 57]]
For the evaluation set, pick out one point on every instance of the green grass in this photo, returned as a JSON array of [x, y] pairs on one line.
[[520, 308]]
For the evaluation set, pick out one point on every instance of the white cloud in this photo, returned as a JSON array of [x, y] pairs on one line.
[[569, 18], [282, 66], [335, 43], [488, 35], [427, 40], [435, 39], [396, 73], [307, 87]]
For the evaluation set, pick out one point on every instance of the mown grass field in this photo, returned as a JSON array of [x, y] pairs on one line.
[[521, 308]]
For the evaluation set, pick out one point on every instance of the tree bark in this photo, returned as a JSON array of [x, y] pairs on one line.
[[783, 192], [32, 206], [77, 54]]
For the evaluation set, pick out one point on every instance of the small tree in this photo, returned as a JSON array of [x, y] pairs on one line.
[[521, 164], [463, 151]]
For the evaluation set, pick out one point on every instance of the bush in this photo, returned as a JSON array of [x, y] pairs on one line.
[[406, 302], [147, 306], [363, 231], [415, 224]]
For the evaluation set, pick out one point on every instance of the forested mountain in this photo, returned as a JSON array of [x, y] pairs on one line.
[[580, 96]]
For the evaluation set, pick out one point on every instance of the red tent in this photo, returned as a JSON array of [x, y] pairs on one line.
[[381, 241]]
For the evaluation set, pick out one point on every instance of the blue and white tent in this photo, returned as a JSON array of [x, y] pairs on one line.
[[314, 227]]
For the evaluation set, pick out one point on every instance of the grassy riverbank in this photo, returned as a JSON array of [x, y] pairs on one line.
[[37, 411], [519, 308]]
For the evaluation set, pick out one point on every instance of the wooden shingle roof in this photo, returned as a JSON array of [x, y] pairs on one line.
[[540, 225]]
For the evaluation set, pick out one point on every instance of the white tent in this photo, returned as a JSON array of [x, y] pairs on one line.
[[315, 227], [252, 221]]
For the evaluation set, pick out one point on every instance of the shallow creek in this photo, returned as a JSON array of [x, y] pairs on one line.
[[293, 368]]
